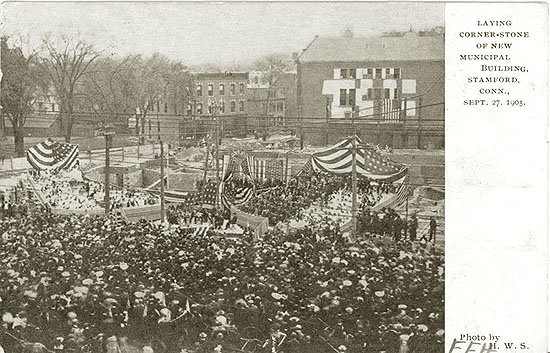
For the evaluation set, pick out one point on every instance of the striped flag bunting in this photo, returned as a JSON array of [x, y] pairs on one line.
[[202, 230], [188, 198], [370, 163], [250, 165], [237, 195], [245, 167], [228, 174], [52, 155], [306, 169]]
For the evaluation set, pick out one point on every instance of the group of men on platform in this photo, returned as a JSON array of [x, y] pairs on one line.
[[391, 224]]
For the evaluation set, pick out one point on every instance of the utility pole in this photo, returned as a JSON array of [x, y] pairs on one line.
[[407, 214], [108, 132], [300, 108], [206, 162], [286, 167], [354, 189], [161, 181], [419, 123], [217, 145]]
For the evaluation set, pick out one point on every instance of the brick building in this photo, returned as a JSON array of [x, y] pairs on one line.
[[220, 94], [390, 90], [270, 106]]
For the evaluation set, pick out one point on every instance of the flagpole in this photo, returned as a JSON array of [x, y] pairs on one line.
[[107, 175], [406, 215], [354, 189]]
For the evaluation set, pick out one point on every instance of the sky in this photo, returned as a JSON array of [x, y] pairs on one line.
[[225, 33]]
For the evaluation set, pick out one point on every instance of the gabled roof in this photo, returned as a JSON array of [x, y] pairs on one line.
[[410, 47]]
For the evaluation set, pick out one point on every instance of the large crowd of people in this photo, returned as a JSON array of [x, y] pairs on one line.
[[284, 201], [186, 216], [89, 284], [93, 284], [64, 192]]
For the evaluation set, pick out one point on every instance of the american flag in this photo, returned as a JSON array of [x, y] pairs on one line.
[[210, 194], [274, 169], [370, 163], [52, 155]]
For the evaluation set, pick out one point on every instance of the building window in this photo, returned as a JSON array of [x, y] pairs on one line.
[[386, 93], [343, 73], [351, 97], [343, 97], [396, 73], [189, 109], [408, 86], [369, 73], [210, 109], [395, 93], [388, 73], [222, 107], [199, 108], [241, 88], [199, 90], [376, 93], [233, 106], [378, 73], [370, 94], [411, 108], [210, 89], [365, 97], [166, 107], [352, 73], [241, 106], [158, 107], [232, 89], [222, 89]]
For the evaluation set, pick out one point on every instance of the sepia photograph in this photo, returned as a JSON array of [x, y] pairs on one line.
[[180, 177]]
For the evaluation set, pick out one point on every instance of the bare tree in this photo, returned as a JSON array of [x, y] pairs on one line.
[[154, 76], [109, 89], [66, 63], [23, 82], [272, 67]]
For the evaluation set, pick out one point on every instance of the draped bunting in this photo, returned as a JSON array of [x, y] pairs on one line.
[[370, 163]]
